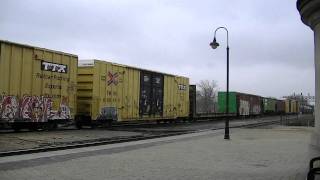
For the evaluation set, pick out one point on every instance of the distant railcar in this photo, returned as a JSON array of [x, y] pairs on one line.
[[295, 106], [269, 105], [240, 104], [109, 92], [280, 107], [193, 101], [38, 86], [292, 106], [288, 106], [306, 109]]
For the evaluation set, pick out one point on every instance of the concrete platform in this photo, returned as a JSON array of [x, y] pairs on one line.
[[263, 153]]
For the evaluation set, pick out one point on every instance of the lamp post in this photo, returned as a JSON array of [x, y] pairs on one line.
[[214, 44]]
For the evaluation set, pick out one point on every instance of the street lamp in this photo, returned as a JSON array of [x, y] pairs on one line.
[[214, 44]]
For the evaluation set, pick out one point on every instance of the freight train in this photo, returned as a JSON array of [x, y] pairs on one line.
[[245, 105], [41, 88], [241, 104]]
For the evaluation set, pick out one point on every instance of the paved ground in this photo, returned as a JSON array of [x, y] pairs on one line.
[[262, 153]]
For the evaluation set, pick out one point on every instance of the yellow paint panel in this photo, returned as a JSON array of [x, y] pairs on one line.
[[41, 91], [95, 82], [287, 106], [104, 84], [176, 96], [292, 106]]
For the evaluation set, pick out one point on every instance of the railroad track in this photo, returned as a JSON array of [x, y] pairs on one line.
[[98, 142], [144, 124]]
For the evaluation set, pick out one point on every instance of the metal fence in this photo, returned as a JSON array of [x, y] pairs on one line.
[[297, 120]]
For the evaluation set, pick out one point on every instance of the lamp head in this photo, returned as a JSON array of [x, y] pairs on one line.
[[214, 44]]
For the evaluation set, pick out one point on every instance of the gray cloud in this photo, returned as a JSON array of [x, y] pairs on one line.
[[271, 50]]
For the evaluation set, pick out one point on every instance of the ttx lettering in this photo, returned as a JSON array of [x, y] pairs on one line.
[[48, 66]]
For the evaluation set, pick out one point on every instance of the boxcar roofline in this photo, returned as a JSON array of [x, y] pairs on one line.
[[242, 93], [90, 62], [252, 95], [36, 47]]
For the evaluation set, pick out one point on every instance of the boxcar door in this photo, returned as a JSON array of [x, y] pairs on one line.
[[151, 93], [157, 94], [145, 93]]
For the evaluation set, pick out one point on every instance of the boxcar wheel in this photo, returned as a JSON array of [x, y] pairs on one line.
[[93, 125], [16, 128], [33, 128], [55, 125], [78, 122], [79, 125], [110, 123], [52, 126], [192, 119]]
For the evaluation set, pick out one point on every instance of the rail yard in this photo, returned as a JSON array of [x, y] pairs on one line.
[[51, 101], [44, 89], [41, 88], [159, 90]]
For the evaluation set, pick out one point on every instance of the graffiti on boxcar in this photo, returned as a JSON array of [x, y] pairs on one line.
[[256, 109], [63, 111], [32, 108], [9, 107], [244, 107], [26, 107], [35, 108]]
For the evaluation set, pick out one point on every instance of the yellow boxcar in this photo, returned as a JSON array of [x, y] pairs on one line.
[[37, 84], [295, 106], [292, 106], [113, 92], [287, 106]]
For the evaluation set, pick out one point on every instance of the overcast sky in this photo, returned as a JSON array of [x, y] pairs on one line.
[[271, 51]]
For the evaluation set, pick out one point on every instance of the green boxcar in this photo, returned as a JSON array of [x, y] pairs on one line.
[[222, 96], [269, 105]]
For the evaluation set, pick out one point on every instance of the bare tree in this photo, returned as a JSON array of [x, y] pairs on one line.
[[206, 96]]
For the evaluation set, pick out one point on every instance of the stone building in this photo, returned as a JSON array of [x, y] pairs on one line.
[[310, 16]]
